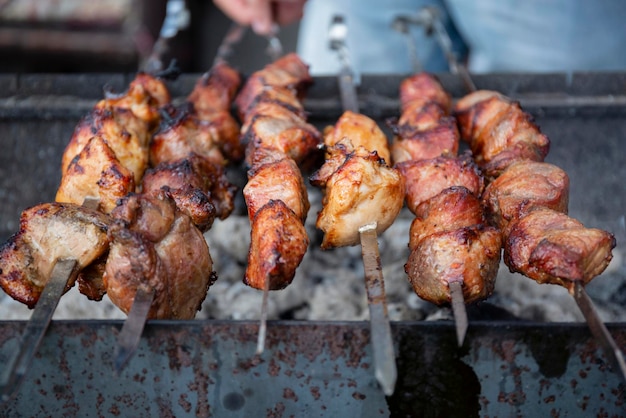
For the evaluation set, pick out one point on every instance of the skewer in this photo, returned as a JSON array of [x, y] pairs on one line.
[[380, 328], [176, 18], [401, 24], [585, 304], [63, 271]]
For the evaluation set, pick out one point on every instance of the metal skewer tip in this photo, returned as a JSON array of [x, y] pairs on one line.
[[62, 272], [459, 311], [260, 344], [130, 335], [380, 330], [599, 330]]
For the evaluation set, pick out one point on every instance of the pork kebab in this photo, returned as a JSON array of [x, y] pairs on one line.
[[278, 140], [453, 248], [528, 199]]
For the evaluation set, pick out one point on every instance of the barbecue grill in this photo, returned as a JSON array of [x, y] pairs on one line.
[[510, 365]]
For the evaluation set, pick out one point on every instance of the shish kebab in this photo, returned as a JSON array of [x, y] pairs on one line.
[[454, 252], [106, 126], [278, 140], [61, 270], [528, 199], [363, 195]]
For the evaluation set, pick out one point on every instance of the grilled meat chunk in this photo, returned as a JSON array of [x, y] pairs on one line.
[[424, 179], [522, 186], [359, 189], [278, 243], [145, 95], [124, 133], [96, 172], [498, 131], [155, 246], [550, 247], [48, 232], [361, 131]]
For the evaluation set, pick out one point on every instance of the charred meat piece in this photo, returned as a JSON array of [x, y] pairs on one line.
[[278, 243], [124, 133], [155, 246], [424, 88], [196, 172], [182, 134], [359, 189], [424, 179], [522, 186], [49, 232], [550, 247], [96, 172], [498, 131]]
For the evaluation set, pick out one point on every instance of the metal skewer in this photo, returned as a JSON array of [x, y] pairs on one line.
[[431, 18], [63, 271], [380, 329]]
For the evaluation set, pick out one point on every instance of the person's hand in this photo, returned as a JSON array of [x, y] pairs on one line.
[[262, 14]]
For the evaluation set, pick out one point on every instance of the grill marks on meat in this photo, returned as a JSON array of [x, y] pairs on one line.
[[359, 187], [155, 246], [277, 139], [527, 198], [498, 131], [450, 238], [48, 232]]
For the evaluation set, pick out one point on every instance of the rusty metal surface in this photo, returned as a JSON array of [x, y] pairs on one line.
[[207, 368]]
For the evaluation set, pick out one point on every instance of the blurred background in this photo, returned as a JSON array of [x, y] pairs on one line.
[[77, 36]]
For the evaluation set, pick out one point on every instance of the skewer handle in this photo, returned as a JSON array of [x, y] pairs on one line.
[[380, 329], [36, 327]]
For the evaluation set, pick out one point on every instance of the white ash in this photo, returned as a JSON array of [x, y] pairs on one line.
[[329, 285]]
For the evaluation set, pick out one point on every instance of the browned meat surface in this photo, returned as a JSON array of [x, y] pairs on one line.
[[278, 138], [523, 186], [197, 173], [427, 178], [96, 172], [287, 72], [359, 189], [470, 255], [145, 95], [455, 207], [425, 88], [498, 131], [215, 90], [124, 133], [155, 246], [278, 242], [361, 131], [277, 180], [48, 232], [550, 247], [443, 139], [184, 134]]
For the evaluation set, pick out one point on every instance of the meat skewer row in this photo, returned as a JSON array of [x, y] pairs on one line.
[[528, 199], [454, 252], [277, 139]]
